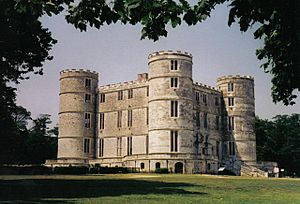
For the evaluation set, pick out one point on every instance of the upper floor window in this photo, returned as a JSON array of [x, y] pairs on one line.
[[198, 119], [174, 108], [230, 123], [174, 82], [197, 95], [129, 119], [130, 93], [87, 120], [204, 98], [230, 101], [205, 121], [230, 86], [86, 146], [147, 91], [87, 98], [88, 83], [101, 121], [102, 97], [217, 101], [174, 141], [217, 122], [174, 65], [231, 148], [119, 119], [120, 95]]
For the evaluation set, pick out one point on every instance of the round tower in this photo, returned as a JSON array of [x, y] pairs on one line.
[[239, 112], [77, 103], [170, 109]]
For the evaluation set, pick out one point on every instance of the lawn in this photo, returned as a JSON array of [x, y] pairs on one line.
[[147, 188]]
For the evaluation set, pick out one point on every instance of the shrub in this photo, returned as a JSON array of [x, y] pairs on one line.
[[162, 171]]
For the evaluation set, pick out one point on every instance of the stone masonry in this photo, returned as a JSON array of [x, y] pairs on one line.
[[161, 120]]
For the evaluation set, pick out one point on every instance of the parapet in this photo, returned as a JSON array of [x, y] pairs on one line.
[[169, 54], [79, 72], [233, 77]]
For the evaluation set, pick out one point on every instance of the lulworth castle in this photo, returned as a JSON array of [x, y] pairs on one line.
[[163, 119]]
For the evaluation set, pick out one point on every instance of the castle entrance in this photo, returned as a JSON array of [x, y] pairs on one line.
[[179, 168]]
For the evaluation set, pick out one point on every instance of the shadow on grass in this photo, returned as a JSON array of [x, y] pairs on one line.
[[64, 191]]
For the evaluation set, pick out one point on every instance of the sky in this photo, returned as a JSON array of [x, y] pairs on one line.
[[117, 54]]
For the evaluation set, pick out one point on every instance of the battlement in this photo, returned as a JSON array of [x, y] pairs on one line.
[[206, 86], [84, 71], [235, 77], [122, 85], [170, 52]]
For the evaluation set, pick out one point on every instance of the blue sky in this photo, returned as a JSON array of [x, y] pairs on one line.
[[117, 54]]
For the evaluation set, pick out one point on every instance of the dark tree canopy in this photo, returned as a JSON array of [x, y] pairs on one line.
[[279, 140]]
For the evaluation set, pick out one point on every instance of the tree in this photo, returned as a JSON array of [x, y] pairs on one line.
[[279, 140], [41, 144]]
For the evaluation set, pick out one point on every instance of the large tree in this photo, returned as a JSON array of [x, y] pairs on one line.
[[279, 140]]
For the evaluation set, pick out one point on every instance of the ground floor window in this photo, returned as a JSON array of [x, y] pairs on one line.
[[86, 146], [157, 165]]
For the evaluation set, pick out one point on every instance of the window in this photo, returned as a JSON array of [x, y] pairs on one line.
[[87, 98], [217, 148], [197, 95], [101, 121], [198, 119], [86, 146], [204, 99], [102, 97], [129, 119], [174, 82], [157, 165], [142, 165], [87, 120], [230, 86], [120, 95], [217, 101], [174, 108], [230, 101], [174, 141], [119, 146], [231, 148], [129, 145], [217, 122], [101, 147], [88, 83], [147, 116], [130, 93], [147, 91], [174, 65], [205, 121], [230, 123], [119, 120], [208, 166]]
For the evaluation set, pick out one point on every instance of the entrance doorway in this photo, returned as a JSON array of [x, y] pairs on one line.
[[179, 168]]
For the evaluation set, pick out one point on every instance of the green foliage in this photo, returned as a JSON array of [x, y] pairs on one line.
[[279, 140], [278, 24], [162, 170]]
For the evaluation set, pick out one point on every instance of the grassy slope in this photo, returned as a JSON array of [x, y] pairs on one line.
[[147, 188]]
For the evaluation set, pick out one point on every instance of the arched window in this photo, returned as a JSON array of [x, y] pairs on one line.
[[142, 165], [157, 165]]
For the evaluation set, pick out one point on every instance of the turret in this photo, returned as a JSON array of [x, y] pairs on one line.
[[238, 93], [170, 107], [77, 108]]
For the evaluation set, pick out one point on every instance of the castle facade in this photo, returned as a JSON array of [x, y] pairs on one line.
[[161, 120]]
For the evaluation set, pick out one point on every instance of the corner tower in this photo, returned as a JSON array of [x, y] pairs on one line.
[[238, 93], [77, 108], [171, 110]]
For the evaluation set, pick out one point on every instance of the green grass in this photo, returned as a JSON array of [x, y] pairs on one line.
[[147, 188]]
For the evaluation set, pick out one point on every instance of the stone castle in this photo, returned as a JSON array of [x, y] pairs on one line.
[[161, 120]]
